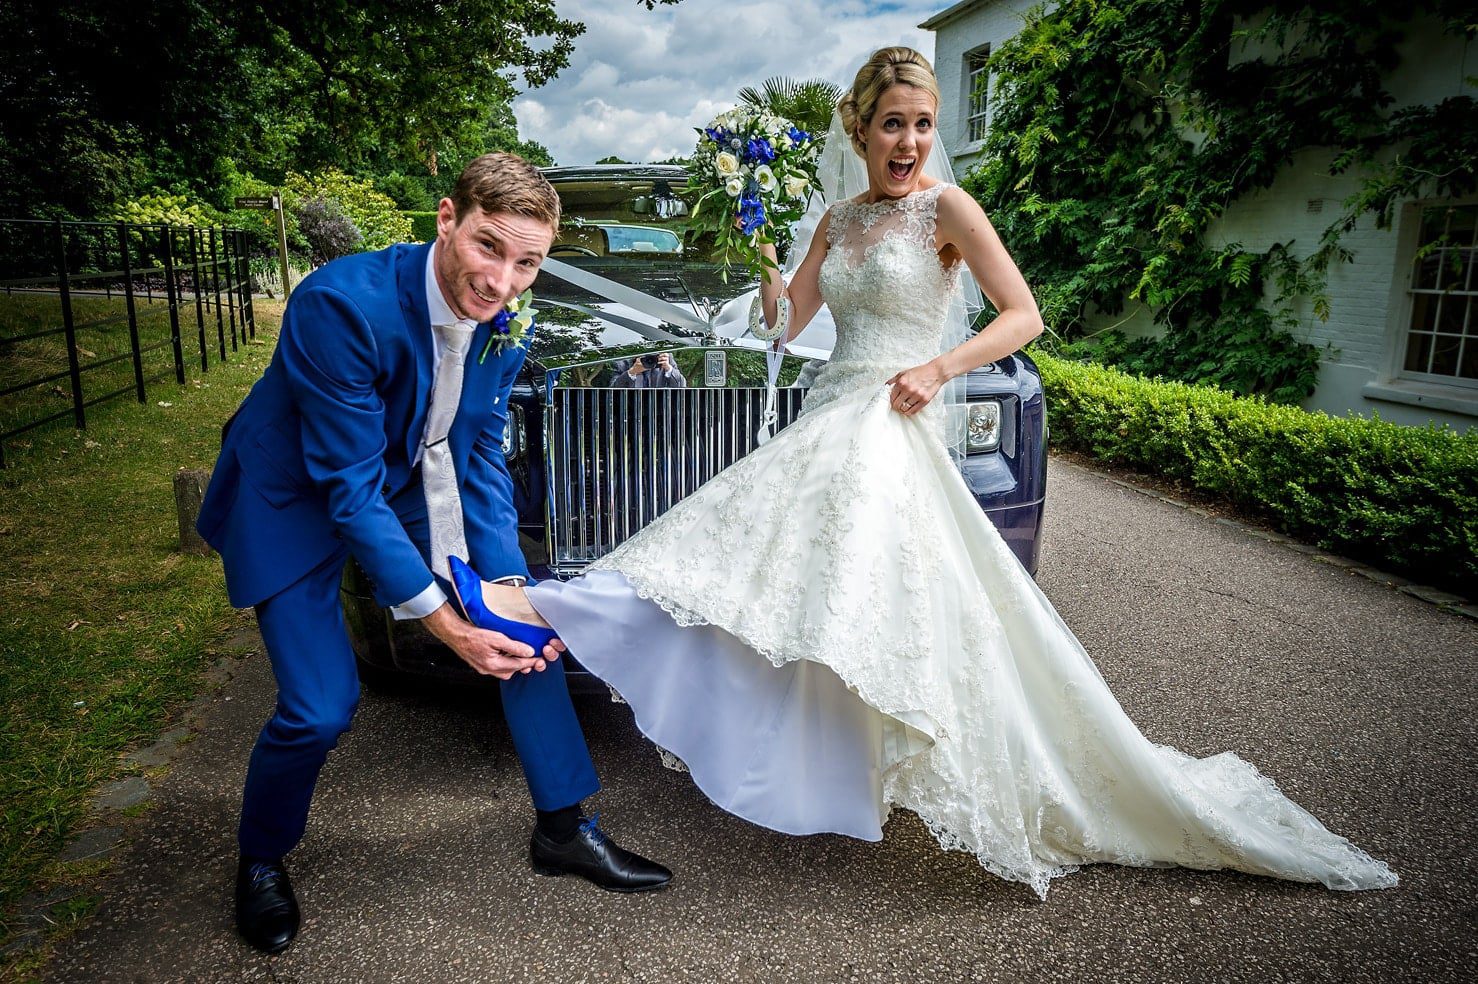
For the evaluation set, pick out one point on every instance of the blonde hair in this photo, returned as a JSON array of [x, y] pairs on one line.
[[506, 183], [886, 68]]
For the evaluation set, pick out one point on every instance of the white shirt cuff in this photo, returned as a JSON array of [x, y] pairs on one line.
[[422, 604]]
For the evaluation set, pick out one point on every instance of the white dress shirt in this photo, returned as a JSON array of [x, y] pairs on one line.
[[439, 313]]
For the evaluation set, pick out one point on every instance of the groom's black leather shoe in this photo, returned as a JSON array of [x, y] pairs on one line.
[[594, 856], [266, 911]]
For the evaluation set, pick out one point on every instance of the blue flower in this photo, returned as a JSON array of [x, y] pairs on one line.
[[751, 213], [717, 135], [511, 325], [759, 151], [798, 136]]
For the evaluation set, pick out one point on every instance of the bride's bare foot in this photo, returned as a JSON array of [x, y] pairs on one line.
[[510, 601]]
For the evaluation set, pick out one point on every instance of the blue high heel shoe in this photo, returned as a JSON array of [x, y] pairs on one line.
[[468, 588]]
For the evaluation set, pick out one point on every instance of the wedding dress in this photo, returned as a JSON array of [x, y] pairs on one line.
[[831, 627]]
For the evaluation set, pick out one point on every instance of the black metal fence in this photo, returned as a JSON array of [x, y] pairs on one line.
[[93, 311]]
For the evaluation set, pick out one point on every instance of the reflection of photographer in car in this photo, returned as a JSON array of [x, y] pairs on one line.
[[650, 372]]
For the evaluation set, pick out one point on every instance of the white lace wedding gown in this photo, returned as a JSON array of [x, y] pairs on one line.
[[831, 627]]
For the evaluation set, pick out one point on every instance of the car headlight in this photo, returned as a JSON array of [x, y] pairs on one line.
[[983, 423], [513, 434]]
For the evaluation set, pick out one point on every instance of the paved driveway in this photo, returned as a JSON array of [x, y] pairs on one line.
[[1358, 700]]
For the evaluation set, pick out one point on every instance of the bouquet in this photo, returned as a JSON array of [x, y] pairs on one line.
[[752, 172]]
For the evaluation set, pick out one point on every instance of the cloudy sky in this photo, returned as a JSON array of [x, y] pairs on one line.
[[639, 81]]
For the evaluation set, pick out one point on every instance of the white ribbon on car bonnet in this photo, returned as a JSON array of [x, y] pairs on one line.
[[665, 311], [629, 296]]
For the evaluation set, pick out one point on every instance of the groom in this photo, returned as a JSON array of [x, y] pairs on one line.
[[373, 387]]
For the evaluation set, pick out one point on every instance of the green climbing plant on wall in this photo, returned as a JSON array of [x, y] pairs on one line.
[[1122, 129]]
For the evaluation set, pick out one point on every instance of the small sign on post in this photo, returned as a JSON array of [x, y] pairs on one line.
[[275, 204]]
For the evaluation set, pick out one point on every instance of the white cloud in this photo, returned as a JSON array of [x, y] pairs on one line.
[[639, 81]]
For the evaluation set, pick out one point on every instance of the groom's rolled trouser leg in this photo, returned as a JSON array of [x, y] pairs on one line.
[[317, 692], [547, 736]]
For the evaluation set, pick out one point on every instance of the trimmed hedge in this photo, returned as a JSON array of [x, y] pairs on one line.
[[423, 226], [1404, 499]]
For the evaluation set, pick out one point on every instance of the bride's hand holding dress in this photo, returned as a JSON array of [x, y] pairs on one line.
[[964, 234]]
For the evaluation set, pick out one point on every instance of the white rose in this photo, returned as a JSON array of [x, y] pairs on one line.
[[726, 164], [734, 186], [765, 177], [796, 185]]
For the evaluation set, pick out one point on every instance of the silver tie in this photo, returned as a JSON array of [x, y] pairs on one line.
[[438, 478]]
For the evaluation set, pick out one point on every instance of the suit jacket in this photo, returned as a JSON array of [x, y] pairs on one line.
[[326, 438]]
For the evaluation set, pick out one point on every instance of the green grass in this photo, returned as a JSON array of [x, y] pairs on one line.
[[104, 628], [21, 362]]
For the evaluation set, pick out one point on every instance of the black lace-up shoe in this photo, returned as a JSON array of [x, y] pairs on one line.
[[595, 857], [266, 912]]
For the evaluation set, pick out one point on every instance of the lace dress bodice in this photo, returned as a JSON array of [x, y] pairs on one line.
[[887, 291]]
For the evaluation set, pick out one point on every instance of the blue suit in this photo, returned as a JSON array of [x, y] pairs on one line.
[[316, 466]]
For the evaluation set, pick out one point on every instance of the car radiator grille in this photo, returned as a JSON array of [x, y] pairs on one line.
[[618, 459]]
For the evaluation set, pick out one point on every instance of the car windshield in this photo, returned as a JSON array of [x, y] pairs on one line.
[[623, 239], [627, 223]]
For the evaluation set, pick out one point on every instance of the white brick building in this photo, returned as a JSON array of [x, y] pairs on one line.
[[1399, 342]]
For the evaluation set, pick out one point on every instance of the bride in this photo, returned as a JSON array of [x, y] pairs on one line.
[[831, 627]]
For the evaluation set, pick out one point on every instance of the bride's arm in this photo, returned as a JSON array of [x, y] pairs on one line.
[[962, 228], [804, 290]]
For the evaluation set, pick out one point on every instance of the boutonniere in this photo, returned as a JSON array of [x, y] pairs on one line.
[[511, 326]]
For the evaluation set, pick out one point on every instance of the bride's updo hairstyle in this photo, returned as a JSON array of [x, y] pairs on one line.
[[886, 68]]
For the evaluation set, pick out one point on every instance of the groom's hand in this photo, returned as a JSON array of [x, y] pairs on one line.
[[489, 653]]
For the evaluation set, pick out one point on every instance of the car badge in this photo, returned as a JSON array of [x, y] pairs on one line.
[[715, 368]]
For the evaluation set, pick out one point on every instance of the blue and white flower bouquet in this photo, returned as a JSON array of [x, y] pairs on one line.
[[752, 173]]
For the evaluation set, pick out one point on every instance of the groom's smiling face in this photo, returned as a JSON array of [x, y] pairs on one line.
[[486, 259]]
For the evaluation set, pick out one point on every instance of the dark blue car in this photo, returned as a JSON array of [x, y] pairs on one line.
[[640, 385]]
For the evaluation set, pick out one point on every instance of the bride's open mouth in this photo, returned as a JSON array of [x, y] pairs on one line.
[[901, 167]]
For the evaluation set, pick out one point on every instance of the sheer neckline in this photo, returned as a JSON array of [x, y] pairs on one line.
[[887, 202]]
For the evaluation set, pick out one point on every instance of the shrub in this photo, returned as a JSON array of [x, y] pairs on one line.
[[159, 208], [1402, 498], [423, 226], [260, 225], [330, 233], [374, 214]]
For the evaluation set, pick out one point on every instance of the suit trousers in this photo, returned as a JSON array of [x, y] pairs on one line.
[[318, 690]]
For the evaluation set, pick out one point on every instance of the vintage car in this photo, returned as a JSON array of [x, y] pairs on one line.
[[594, 460]]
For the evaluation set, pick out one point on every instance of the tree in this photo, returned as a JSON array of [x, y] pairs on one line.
[[807, 103], [105, 99], [498, 132], [388, 76], [1122, 129], [99, 96]]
